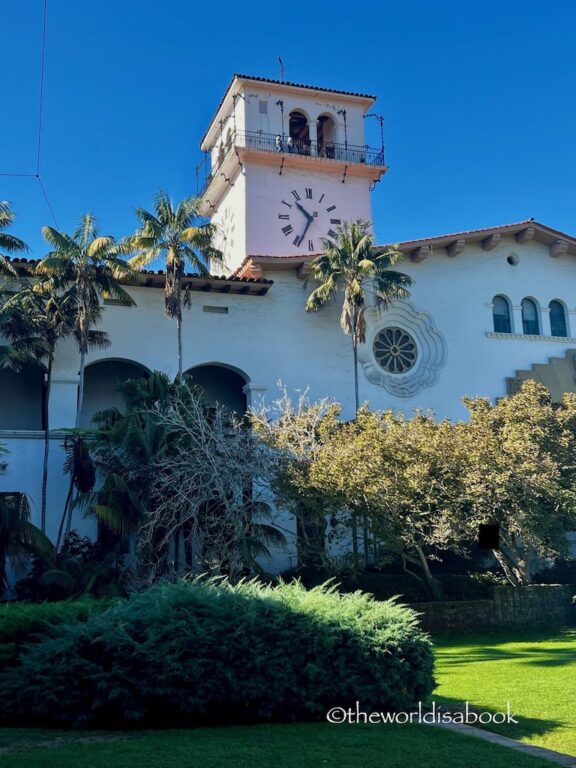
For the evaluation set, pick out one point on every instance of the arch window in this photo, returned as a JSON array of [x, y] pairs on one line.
[[299, 133], [530, 323], [23, 396], [103, 380], [501, 315], [221, 385], [326, 132], [558, 325]]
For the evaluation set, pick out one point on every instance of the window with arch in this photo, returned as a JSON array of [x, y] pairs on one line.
[[558, 325], [326, 133], [530, 323], [501, 315], [299, 133]]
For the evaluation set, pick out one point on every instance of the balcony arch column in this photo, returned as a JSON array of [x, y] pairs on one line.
[[313, 133]]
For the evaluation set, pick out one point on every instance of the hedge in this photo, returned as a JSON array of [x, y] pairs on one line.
[[22, 622], [209, 652]]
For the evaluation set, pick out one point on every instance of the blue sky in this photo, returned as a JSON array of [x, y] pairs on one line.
[[478, 99]]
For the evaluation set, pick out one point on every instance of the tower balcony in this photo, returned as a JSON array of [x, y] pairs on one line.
[[287, 152]]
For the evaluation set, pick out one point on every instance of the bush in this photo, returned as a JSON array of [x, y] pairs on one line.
[[81, 567], [22, 623], [191, 652]]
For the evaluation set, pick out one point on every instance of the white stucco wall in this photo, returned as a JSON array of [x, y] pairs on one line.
[[271, 338], [230, 222]]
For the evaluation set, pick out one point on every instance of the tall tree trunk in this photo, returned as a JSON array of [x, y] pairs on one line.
[[46, 445], [80, 389], [433, 584], [65, 513], [69, 515], [188, 550], [179, 327], [356, 388], [356, 407], [366, 540], [177, 545]]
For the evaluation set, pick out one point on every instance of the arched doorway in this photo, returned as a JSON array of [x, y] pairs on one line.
[[220, 384], [102, 381], [326, 132], [299, 133], [22, 397]]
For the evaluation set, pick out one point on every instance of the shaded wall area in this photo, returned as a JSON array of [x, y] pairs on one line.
[[102, 383], [22, 396], [220, 385]]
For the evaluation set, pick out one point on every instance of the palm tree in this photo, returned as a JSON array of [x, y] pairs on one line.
[[176, 236], [354, 266], [91, 266], [19, 538], [8, 243], [34, 320]]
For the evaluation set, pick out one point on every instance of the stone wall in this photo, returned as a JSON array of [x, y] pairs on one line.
[[536, 605]]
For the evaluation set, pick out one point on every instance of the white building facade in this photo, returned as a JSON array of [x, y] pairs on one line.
[[288, 164]]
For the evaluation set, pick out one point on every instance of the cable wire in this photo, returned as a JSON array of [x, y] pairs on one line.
[[40, 116]]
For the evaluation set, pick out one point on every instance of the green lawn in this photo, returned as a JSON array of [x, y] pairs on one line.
[[264, 746], [534, 671]]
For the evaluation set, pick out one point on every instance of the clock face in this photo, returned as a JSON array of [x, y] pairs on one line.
[[306, 217]]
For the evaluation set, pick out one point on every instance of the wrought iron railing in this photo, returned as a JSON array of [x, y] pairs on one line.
[[269, 142]]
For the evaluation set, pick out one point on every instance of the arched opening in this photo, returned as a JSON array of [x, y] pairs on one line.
[[501, 315], [23, 396], [220, 385], [530, 322], [558, 324], [299, 133], [102, 381], [326, 133]]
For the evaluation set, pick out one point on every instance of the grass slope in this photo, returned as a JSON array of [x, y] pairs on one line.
[[282, 746], [534, 670]]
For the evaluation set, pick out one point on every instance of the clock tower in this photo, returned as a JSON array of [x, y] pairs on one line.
[[286, 165]]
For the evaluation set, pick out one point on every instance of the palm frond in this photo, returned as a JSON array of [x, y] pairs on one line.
[[164, 210], [12, 244], [60, 240]]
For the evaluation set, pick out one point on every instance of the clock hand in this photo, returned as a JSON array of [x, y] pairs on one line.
[[310, 219], [304, 211]]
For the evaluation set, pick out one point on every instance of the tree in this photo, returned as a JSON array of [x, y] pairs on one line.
[[176, 236], [173, 469], [520, 474], [295, 433], [35, 319], [91, 266], [404, 476], [8, 243], [355, 267], [19, 538]]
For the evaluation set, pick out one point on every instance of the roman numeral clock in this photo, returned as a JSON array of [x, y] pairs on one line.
[[306, 217]]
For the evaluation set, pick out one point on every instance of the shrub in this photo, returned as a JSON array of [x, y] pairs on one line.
[[22, 623], [81, 567], [191, 652]]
